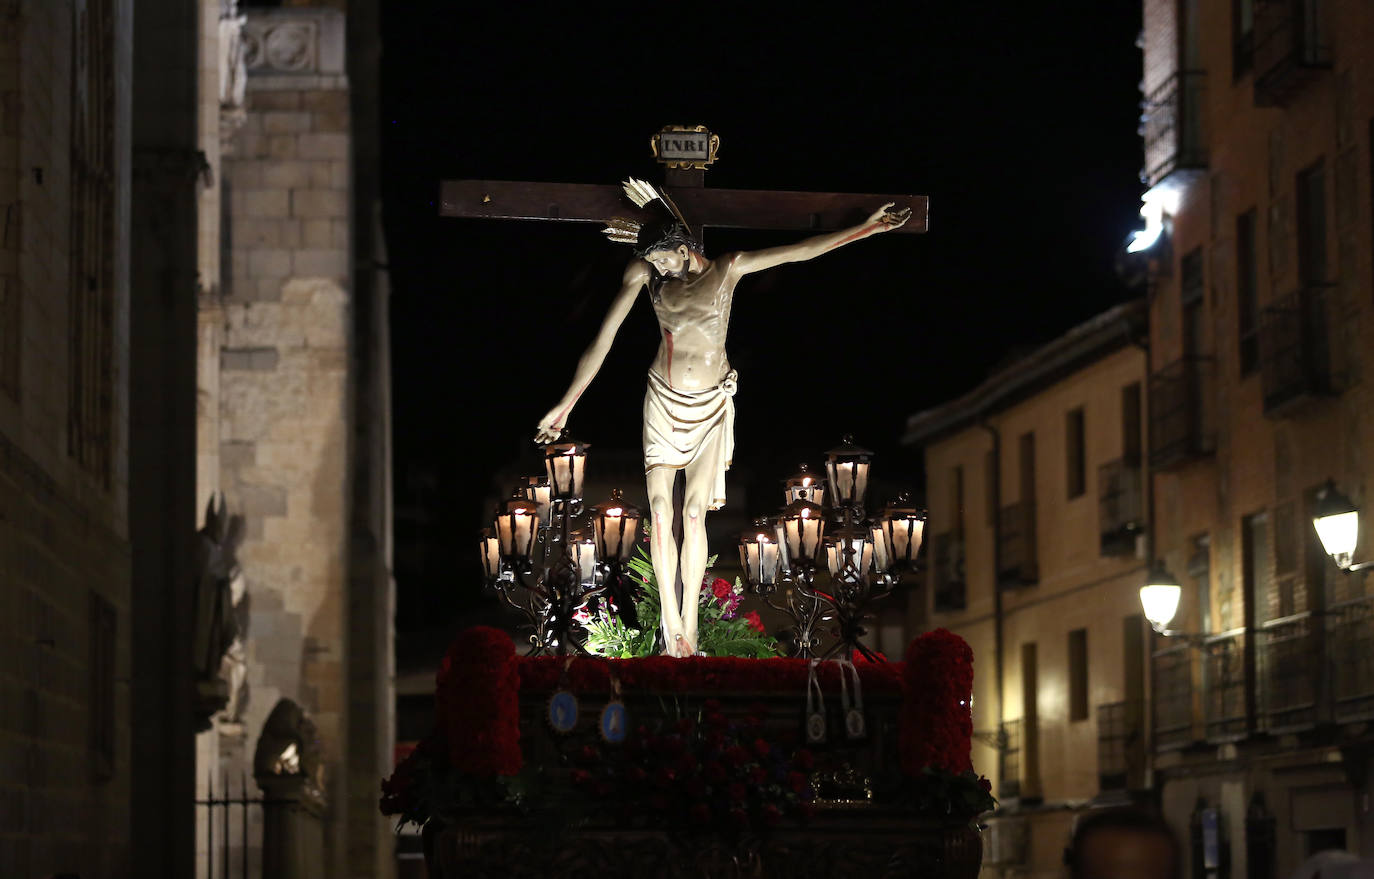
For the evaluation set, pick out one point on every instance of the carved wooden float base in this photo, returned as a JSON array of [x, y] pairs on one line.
[[860, 842]]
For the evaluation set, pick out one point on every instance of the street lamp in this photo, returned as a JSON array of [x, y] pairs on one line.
[[1337, 521], [566, 462], [616, 524], [1159, 598], [805, 486], [759, 557]]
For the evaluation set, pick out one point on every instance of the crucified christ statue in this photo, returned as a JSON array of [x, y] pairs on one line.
[[688, 409]]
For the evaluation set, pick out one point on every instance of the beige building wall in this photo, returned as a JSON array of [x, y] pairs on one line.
[[1048, 769], [1256, 141]]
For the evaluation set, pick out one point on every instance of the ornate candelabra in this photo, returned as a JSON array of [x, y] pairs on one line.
[[546, 570], [865, 558]]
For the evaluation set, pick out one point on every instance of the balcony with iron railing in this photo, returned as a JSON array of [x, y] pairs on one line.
[[1291, 48], [1295, 349], [1350, 659], [1171, 714], [1180, 430], [1171, 126], [1120, 746], [948, 573], [1226, 715], [1289, 666], [1310, 669], [1017, 563], [1009, 760], [1121, 505]]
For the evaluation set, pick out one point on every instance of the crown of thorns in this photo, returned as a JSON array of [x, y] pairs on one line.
[[667, 235]]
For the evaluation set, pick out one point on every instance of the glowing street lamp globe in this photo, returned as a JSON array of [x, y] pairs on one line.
[[1159, 598], [537, 489], [1337, 521]]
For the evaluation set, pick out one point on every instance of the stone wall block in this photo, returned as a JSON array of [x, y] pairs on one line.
[[287, 174], [319, 263], [263, 500], [282, 146], [286, 122], [317, 233], [249, 359], [273, 100], [311, 204], [266, 203], [269, 263], [324, 146]]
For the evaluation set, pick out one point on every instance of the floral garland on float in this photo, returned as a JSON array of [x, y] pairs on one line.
[[688, 762]]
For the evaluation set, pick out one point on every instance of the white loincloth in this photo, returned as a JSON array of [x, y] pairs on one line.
[[683, 428]]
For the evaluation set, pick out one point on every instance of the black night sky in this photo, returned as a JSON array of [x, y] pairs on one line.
[[1018, 120]]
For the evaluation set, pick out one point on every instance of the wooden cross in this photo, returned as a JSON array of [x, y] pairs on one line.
[[702, 207]]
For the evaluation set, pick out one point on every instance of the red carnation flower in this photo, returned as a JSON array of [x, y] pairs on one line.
[[580, 776], [797, 781], [714, 772], [771, 814], [762, 748], [700, 814], [803, 759], [737, 791], [757, 775], [684, 725], [751, 619], [722, 589], [736, 756]]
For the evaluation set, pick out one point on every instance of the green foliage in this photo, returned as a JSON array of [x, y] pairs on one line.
[[720, 632]]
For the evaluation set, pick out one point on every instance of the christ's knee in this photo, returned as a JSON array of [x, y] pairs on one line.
[[693, 509], [662, 509]]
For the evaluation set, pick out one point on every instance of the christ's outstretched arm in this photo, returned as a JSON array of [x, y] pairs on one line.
[[636, 276], [882, 220]]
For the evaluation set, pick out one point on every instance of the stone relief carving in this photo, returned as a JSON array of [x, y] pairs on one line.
[[216, 625], [281, 46], [233, 71]]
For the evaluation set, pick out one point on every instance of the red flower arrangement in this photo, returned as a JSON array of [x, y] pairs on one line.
[[937, 719], [717, 773], [478, 703], [754, 621]]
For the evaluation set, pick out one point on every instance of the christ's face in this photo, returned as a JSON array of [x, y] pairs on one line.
[[670, 263]]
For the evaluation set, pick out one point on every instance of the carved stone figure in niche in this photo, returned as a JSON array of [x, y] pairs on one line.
[[688, 409], [216, 625], [289, 747]]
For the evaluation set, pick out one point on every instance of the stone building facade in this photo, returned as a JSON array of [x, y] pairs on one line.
[[1034, 552], [1257, 127], [98, 172], [293, 427]]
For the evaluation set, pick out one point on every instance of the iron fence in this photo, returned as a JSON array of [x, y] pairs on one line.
[[1118, 744], [1009, 760], [1291, 46], [1288, 669], [1171, 126], [1350, 654], [1223, 674], [1295, 348], [1178, 427], [948, 572], [1172, 706], [230, 831], [1121, 505], [1016, 556]]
